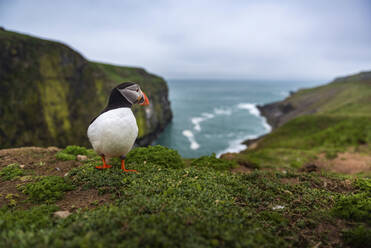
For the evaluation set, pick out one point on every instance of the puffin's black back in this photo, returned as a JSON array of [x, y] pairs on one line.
[[116, 100]]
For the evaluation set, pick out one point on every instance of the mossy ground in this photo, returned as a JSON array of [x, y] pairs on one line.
[[192, 203]]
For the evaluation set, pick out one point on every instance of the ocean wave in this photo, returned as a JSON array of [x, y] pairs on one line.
[[222, 111], [284, 93], [196, 121], [267, 127], [236, 145], [251, 107], [194, 145]]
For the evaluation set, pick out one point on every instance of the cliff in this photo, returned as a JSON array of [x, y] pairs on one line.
[[322, 128], [349, 95], [49, 93]]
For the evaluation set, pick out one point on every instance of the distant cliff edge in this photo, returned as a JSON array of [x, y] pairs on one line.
[[49, 93], [343, 96]]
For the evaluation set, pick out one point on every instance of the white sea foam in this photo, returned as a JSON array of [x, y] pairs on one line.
[[266, 125], [236, 145], [251, 107], [188, 133], [222, 111], [196, 121], [207, 115], [284, 93]]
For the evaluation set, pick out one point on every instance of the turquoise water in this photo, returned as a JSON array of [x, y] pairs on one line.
[[217, 115]]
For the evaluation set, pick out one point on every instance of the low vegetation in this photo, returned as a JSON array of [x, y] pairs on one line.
[[46, 189], [213, 162], [158, 155], [10, 172], [195, 204], [303, 139]]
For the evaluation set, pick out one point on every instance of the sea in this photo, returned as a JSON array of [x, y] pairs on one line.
[[215, 115]]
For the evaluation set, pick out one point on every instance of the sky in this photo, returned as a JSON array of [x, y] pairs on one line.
[[261, 39]]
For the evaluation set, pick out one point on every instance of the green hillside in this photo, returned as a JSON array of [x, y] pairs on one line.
[[315, 123], [49, 93], [345, 96]]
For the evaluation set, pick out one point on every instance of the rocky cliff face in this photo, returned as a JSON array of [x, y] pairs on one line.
[[49, 93], [343, 96]]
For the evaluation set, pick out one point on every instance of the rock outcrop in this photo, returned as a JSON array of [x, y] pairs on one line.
[[49, 93]]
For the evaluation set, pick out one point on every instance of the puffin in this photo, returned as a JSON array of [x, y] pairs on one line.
[[113, 132]]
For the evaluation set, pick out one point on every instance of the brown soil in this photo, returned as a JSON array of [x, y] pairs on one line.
[[83, 199], [290, 181], [241, 169], [42, 162], [330, 230], [346, 163]]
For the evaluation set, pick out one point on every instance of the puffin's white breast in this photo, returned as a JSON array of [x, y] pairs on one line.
[[113, 133]]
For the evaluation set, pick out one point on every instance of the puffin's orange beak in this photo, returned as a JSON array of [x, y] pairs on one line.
[[146, 101]]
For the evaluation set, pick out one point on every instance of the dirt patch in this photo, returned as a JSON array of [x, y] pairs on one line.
[[9, 194], [337, 186], [290, 181], [309, 168], [240, 161], [253, 146], [346, 163], [27, 155], [241, 169], [332, 232], [38, 161], [79, 198]]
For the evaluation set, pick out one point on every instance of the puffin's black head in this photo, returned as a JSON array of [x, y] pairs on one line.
[[127, 94], [124, 96]]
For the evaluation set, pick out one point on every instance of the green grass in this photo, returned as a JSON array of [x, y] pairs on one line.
[[302, 139], [315, 131], [358, 237], [19, 225], [11, 172], [165, 157], [356, 206], [46, 189], [213, 162], [346, 96], [70, 153], [200, 205]]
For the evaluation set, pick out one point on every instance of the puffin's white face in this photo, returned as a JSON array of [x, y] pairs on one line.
[[134, 94]]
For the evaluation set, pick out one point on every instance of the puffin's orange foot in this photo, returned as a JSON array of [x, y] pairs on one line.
[[123, 166], [103, 167], [125, 170]]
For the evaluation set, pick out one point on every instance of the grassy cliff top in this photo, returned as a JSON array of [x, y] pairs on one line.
[[327, 127], [344, 96], [173, 203]]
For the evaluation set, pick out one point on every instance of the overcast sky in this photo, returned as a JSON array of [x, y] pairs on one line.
[[314, 40]]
